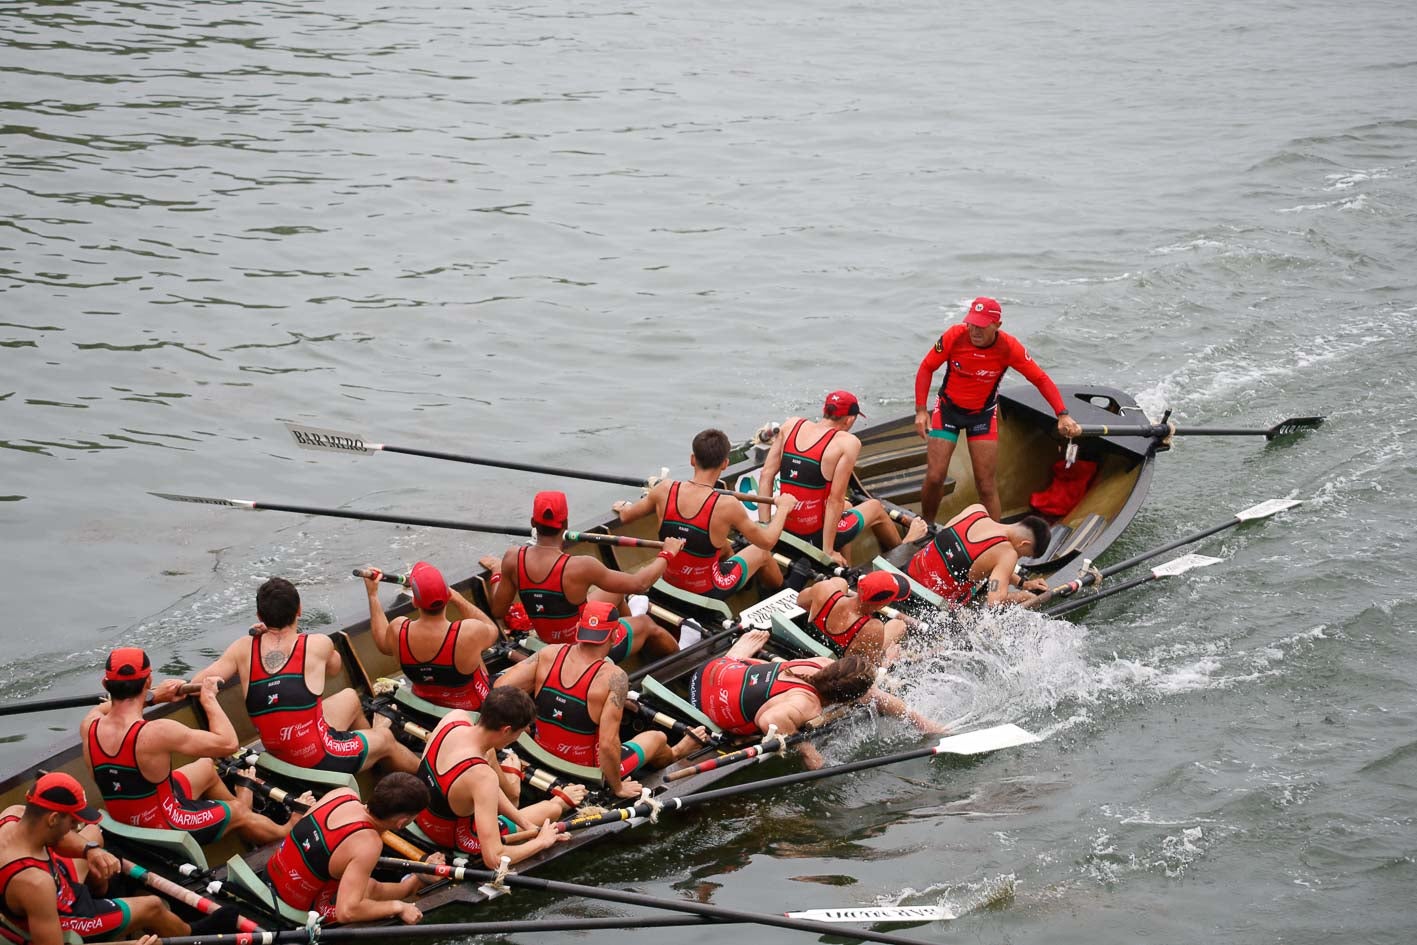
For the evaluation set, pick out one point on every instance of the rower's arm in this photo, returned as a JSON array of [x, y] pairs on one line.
[[467, 608], [504, 584], [836, 499], [639, 508], [624, 582], [997, 590], [924, 374], [789, 719], [1020, 361], [169, 735], [37, 895], [609, 730], [226, 665], [520, 675], [361, 898], [890, 705], [764, 536], [488, 800], [378, 623], [767, 476]]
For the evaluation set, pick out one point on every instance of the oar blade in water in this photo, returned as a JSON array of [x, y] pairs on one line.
[[984, 740], [877, 914], [1183, 564], [332, 441], [1266, 509]]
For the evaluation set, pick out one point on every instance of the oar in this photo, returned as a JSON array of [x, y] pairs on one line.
[[448, 930], [633, 703], [1252, 514], [1173, 568], [463, 873], [1161, 430], [592, 537], [333, 441], [182, 894], [970, 743], [77, 702]]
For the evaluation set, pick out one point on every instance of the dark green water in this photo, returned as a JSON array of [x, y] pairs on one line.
[[577, 234]]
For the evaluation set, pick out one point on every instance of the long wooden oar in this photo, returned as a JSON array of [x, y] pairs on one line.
[[1173, 568], [1163, 430], [182, 894], [624, 541], [462, 873], [335, 441], [77, 702], [970, 743], [1252, 514]]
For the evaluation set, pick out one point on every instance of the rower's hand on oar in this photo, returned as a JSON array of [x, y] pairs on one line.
[[1069, 427], [918, 529], [409, 914], [839, 558], [922, 424], [548, 836], [575, 793], [211, 685], [371, 581], [492, 563], [628, 789], [1036, 585], [673, 546], [169, 690], [102, 864]]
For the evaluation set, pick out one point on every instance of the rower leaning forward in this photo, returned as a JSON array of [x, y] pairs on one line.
[[975, 355]]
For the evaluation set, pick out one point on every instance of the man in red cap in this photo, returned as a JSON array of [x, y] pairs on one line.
[[442, 659], [692, 511], [975, 355], [815, 460], [850, 623], [44, 862], [131, 758], [283, 673], [580, 698], [552, 586]]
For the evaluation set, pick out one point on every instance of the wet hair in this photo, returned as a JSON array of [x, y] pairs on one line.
[[434, 608], [1041, 534], [277, 603], [711, 449], [121, 689], [507, 706], [398, 795], [546, 531], [844, 680]]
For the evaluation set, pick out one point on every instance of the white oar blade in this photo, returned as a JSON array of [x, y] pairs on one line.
[[1266, 509], [985, 740], [205, 500], [330, 441], [760, 614], [1183, 564], [877, 914]]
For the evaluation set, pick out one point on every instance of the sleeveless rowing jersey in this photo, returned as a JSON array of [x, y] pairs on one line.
[[943, 565], [127, 793], [842, 639], [732, 692], [691, 569], [300, 870], [447, 829], [439, 680], [563, 723], [552, 614], [802, 479], [14, 868], [290, 718]]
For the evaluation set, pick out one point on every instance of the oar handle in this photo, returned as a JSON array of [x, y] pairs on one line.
[[374, 574], [192, 688], [622, 541], [749, 497], [665, 721]]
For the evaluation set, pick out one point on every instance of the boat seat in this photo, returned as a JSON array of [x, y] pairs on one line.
[[806, 549], [325, 780], [916, 588], [686, 710], [699, 601], [10, 932], [789, 634], [240, 875], [582, 773], [403, 696], [177, 845]]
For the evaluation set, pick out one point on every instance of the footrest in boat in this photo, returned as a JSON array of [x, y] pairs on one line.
[[806, 549], [685, 709], [178, 846], [787, 633], [325, 780], [916, 588], [707, 605], [248, 883], [582, 773]]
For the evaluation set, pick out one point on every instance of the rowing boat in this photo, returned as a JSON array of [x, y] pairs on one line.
[[890, 469]]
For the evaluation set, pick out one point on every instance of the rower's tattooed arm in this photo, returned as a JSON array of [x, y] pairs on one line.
[[609, 740]]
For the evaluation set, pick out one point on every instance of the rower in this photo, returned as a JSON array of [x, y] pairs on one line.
[[44, 865], [850, 622], [132, 765], [816, 459], [283, 673], [972, 557], [453, 676], [468, 809], [325, 865], [975, 355], [693, 511], [580, 697], [743, 695], [553, 601]]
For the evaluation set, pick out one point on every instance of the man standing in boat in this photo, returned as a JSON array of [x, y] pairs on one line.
[[468, 810], [850, 622], [451, 673], [131, 758], [975, 356], [44, 860], [816, 459], [580, 698], [971, 558], [693, 511], [552, 585], [326, 864], [283, 673]]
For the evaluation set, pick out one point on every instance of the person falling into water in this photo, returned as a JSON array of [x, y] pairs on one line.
[[850, 622], [975, 356], [972, 558]]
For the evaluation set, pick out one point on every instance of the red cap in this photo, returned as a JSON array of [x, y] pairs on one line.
[[841, 403], [125, 663], [58, 791], [598, 621], [429, 588], [549, 509], [984, 312], [880, 588]]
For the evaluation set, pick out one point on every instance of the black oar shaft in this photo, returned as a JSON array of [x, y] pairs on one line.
[[446, 930], [45, 705], [523, 467], [393, 519], [1079, 602], [1135, 560]]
